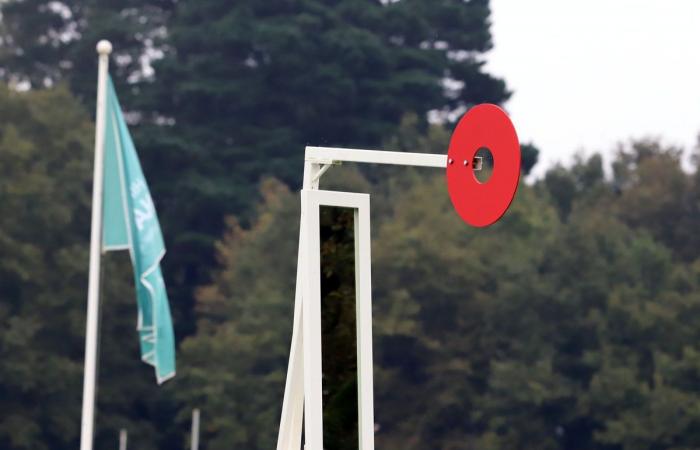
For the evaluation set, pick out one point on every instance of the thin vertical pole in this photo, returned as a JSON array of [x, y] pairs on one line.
[[363, 307], [104, 48], [289, 437], [311, 325], [195, 430], [123, 437]]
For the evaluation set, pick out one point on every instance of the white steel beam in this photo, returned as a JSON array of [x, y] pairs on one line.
[[330, 155]]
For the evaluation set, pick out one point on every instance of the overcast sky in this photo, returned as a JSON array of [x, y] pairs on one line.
[[588, 74]]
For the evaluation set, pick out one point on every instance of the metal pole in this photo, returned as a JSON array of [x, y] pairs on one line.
[[311, 325], [363, 314], [104, 48], [289, 437], [122, 439], [195, 429]]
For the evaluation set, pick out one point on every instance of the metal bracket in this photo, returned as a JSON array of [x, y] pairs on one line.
[[322, 161], [324, 168]]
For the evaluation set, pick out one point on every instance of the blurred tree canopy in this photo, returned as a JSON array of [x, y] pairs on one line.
[[241, 87], [41, 273], [46, 42], [566, 325], [571, 324], [46, 145]]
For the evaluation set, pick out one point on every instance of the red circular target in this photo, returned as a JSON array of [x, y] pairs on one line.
[[484, 126]]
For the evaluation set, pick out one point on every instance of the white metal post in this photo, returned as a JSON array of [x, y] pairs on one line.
[[311, 329], [104, 48], [289, 437], [363, 307], [312, 200], [291, 421], [123, 438], [194, 442]]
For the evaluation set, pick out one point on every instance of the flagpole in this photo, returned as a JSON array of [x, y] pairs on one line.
[[104, 48]]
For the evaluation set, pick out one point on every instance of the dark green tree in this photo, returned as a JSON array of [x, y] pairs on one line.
[[46, 151], [44, 42], [657, 194], [547, 330], [246, 85], [44, 226], [243, 86], [235, 369]]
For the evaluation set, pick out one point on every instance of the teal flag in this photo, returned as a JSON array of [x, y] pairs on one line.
[[130, 223]]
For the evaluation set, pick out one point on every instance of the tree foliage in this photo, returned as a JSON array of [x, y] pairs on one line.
[[46, 143], [241, 87], [45, 42], [569, 324], [572, 323], [246, 85]]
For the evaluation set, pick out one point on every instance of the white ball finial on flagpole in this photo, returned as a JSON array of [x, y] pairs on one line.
[[104, 47]]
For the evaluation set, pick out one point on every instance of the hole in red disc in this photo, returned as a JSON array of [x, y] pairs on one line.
[[483, 164]]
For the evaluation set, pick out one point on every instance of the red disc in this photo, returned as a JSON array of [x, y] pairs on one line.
[[481, 204]]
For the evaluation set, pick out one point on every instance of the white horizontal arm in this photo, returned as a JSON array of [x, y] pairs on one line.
[[330, 155]]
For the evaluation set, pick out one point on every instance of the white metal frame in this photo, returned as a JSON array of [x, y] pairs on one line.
[[303, 389], [312, 200]]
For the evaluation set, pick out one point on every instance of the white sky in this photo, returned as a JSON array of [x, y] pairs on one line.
[[587, 74]]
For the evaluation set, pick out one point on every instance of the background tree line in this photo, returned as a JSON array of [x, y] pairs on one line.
[[571, 324]]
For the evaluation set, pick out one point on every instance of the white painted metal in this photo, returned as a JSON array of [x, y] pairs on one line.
[[339, 199], [312, 200], [104, 48], [327, 155], [363, 306], [123, 439], [194, 441], [311, 325], [320, 172], [289, 437], [302, 403]]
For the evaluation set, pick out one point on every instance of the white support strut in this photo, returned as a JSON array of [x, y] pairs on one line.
[[329, 155], [302, 403]]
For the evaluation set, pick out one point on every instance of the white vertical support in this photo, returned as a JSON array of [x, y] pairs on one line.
[[291, 421], [289, 437], [303, 399], [303, 388], [311, 310], [194, 438], [104, 48], [363, 306], [123, 439]]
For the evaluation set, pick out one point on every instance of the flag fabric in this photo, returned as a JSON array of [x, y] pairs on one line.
[[130, 223]]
